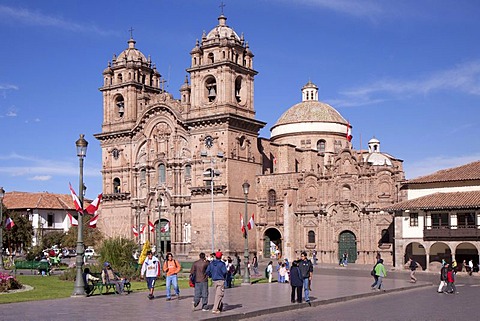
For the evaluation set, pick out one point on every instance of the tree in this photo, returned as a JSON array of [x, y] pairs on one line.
[[52, 238], [19, 237], [91, 236]]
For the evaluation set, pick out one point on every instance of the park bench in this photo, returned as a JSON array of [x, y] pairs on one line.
[[104, 288], [32, 265]]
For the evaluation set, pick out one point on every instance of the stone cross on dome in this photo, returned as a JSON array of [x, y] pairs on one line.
[[222, 5], [131, 32]]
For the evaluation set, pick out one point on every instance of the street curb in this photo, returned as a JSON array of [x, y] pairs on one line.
[[285, 308]]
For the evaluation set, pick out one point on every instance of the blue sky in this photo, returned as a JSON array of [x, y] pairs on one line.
[[406, 72]]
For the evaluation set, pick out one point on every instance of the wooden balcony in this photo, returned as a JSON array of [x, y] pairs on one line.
[[451, 233]]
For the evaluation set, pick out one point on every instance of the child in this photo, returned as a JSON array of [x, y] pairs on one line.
[[151, 270], [281, 273], [296, 281], [451, 281]]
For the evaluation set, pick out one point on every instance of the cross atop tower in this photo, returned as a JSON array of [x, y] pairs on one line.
[[131, 32], [222, 5]]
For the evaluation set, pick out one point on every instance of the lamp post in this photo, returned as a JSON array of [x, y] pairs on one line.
[[212, 174], [79, 287], [158, 246], [2, 194], [246, 274]]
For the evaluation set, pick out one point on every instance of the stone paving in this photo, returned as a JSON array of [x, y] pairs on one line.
[[240, 302]]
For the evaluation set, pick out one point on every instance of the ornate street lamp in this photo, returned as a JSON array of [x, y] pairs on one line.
[[246, 275], [2, 194], [79, 287]]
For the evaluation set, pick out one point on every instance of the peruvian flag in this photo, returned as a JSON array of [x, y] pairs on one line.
[[251, 222], [151, 226], [9, 223], [76, 201], [93, 221], [349, 132], [242, 226], [166, 228], [92, 208], [142, 229], [135, 231], [73, 220]]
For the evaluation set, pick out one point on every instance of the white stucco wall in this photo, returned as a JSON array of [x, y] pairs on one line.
[[416, 193]]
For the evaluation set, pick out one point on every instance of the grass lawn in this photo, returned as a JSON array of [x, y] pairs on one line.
[[50, 287]]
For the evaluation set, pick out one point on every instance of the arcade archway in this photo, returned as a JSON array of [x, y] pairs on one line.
[[272, 239], [416, 251]]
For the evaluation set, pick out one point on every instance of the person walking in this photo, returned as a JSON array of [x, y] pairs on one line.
[[412, 266], [255, 264], [171, 267], [451, 281], [443, 278], [306, 269], [238, 266], [199, 270], [374, 274], [381, 273], [296, 282], [269, 271], [218, 272], [151, 271]]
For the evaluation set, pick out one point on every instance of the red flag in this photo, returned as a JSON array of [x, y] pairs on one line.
[[92, 208], [242, 226], [9, 223], [76, 201], [165, 228], [151, 226], [142, 229], [251, 222], [349, 132], [93, 221], [73, 220], [135, 231]]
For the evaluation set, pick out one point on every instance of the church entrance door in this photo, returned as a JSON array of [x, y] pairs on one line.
[[165, 236], [347, 243], [272, 240]]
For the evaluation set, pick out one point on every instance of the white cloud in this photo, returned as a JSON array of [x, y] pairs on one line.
[[463, 78], [16, 165], [36, 18], [430, 165], [41, 178], [11, 113], [8, 87]]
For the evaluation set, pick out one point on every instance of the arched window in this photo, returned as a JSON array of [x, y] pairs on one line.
[[272, 197], [161, 174], [120, 103], [346, 192], [321, 146], [385, 236], [311, 237], [116, 185], [211, 58], [188, 171]]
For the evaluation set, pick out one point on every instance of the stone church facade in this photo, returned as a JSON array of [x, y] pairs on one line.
[[182, 163]]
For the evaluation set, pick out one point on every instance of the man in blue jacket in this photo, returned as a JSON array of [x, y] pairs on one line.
[[217, 270]]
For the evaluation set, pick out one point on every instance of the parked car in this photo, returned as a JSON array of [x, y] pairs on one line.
[[89, 253]]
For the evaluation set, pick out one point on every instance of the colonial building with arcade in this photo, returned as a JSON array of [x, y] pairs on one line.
[[182, 162]]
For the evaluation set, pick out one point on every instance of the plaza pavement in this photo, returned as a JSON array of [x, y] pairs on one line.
[[243, 301]]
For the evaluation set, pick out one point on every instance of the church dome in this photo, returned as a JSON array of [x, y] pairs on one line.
[[131, 53], [222, 30], [310, 116], [311, 111]]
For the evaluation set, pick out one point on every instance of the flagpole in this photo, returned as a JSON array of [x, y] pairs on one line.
[[2, 193], [246, 274]]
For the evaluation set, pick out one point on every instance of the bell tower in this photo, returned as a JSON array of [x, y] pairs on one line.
[[129, 80], [221, 74]]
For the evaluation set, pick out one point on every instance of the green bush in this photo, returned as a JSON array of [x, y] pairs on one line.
[[118, 252]]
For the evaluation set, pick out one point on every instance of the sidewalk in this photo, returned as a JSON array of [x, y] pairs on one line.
[[240, 302]]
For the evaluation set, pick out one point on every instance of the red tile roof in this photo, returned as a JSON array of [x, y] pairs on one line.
[[24, 200], [466, 172], [439, 201]]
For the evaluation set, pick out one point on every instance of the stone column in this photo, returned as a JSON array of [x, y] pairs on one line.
[[288, 230]]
